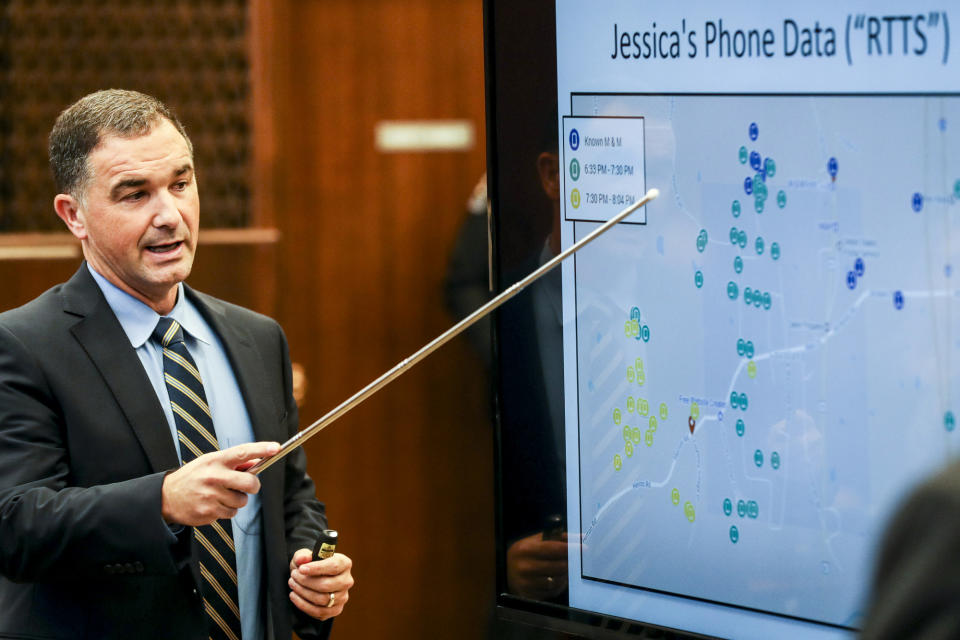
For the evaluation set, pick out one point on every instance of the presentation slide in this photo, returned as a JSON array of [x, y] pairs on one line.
[[762, 362]]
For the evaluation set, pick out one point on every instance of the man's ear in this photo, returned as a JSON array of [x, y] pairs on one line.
[[549, 169], [68, 209]]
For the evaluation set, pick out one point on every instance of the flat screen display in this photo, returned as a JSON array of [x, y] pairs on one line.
[[739, 383]]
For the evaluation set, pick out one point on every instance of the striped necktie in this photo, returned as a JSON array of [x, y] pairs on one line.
[[191, 414]]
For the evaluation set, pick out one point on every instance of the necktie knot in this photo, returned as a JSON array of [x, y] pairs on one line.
[[168, 331]]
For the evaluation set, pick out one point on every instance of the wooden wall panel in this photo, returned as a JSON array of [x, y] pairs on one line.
[[24, 280], [366, 237], [53, 52]]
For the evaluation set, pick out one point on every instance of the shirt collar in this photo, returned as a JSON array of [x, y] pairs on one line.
[[138, 320]]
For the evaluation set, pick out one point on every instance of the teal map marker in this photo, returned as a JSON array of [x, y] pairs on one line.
[[770, 167], [759, 187], [732, 290], [702, 240]]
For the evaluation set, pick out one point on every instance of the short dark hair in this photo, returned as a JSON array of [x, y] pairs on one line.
[[82, 125]]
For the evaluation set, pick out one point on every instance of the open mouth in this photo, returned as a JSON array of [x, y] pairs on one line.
[[164, 248]]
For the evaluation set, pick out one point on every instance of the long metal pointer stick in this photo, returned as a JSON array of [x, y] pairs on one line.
[[398, 370]]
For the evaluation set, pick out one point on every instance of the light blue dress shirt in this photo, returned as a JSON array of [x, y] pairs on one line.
[[230, 420]]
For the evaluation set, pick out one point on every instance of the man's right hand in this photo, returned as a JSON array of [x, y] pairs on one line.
[[537, 568], [213, 486]]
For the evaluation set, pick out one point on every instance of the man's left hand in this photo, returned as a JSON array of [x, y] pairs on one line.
[[320, 589]]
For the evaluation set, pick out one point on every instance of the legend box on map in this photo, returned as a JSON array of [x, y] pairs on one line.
[[603, 167]]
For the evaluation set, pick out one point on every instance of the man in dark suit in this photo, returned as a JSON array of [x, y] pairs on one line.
[[125, 507]]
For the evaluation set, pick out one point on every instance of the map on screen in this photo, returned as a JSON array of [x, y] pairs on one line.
[[763, 362]]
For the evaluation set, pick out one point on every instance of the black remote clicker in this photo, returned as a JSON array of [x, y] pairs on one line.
[[326, 544]]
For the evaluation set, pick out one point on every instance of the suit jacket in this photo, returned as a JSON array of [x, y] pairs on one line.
[[84, 446], [916, 587]]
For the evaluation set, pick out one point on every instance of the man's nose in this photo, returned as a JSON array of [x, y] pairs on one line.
[[166, 213]]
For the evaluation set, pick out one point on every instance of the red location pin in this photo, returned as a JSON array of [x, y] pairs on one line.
[[692, 423]]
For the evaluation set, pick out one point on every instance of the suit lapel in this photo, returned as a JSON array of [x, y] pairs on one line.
[[101, 336], [248, 366]]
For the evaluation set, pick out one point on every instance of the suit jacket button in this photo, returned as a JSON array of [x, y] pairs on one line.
[[128, 568]]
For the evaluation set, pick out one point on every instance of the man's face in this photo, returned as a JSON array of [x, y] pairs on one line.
[[141, 215]]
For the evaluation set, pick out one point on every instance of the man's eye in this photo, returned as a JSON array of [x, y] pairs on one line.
[[135, 196], [180, 186]]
